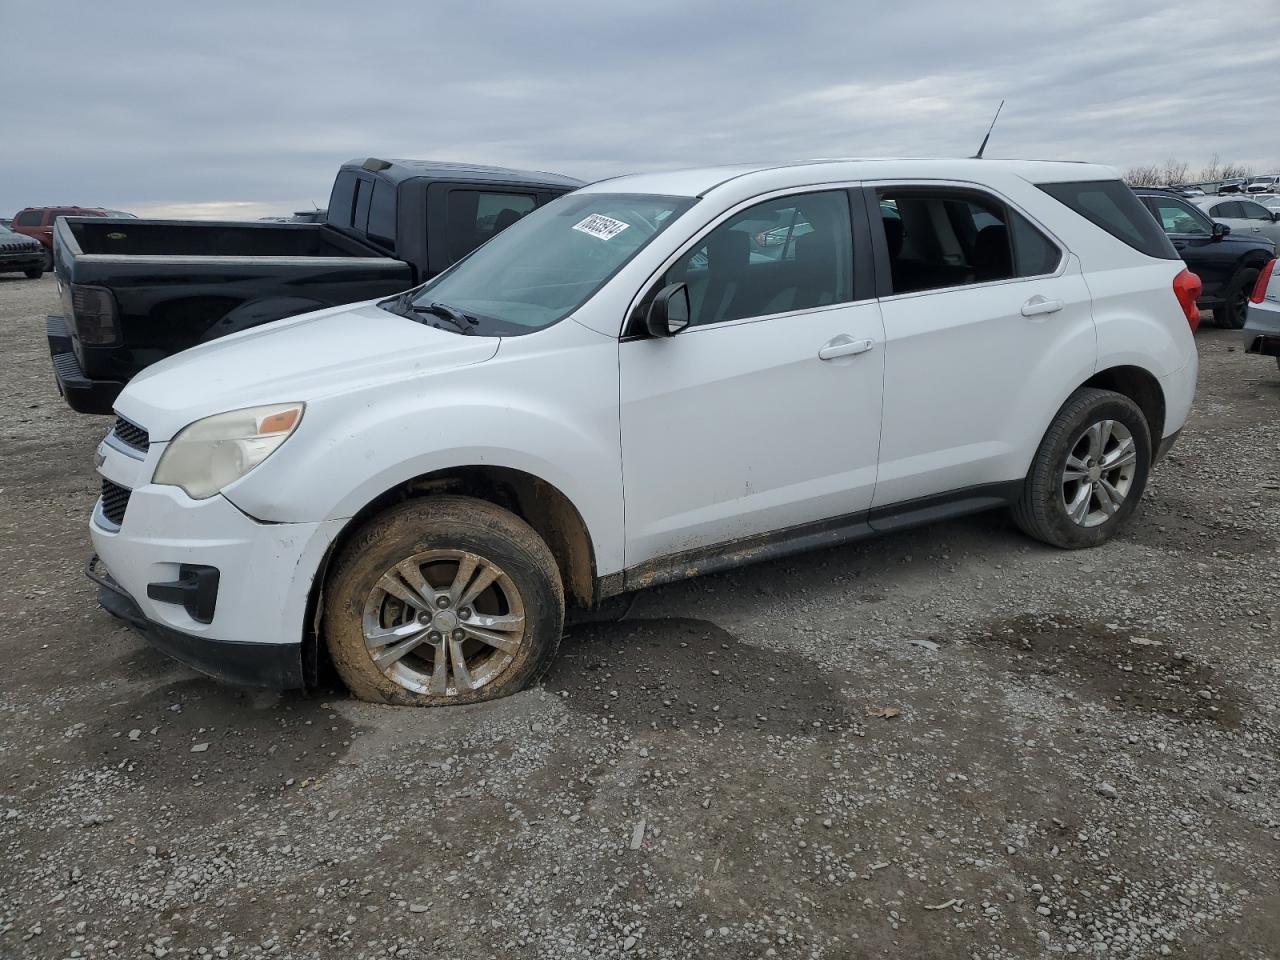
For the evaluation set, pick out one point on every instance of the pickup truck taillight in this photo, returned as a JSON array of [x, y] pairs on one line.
[[1260, 288], [1186, 287], [94, 315]]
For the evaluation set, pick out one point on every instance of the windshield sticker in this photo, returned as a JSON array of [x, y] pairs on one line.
[[601, 227]]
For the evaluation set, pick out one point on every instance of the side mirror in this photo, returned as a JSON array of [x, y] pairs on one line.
[[1220, 230], [669, 312]]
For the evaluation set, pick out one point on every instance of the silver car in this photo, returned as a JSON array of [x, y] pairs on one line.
[[1244, 215], [1262, 323]]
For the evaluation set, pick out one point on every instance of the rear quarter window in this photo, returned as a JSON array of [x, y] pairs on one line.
[[1111, 205]]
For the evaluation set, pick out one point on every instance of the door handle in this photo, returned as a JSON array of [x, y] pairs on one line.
[[844, 346], [1038, 305]]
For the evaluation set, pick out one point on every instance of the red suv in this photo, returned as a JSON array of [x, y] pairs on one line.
[[37, 222]]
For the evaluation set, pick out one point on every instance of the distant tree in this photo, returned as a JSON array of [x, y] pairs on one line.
[[1143, 176], [1213, 170], [1176, 172], [1233, 170]]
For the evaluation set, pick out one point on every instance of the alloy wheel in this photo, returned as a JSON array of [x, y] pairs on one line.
[[1099, 472], [443, 622]]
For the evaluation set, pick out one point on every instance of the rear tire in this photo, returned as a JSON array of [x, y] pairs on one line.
[[1231, 315], [1088, 475], [436, 552], [35, 274]]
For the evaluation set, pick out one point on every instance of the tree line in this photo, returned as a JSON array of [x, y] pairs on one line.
[[1177, 172]]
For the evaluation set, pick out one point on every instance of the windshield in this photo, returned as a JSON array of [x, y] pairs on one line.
[[546, 265]]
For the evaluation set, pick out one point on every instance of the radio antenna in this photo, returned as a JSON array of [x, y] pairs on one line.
[[978, 155]]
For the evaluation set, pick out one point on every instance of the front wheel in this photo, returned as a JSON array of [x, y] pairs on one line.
[[1089, 472], [35, 274], [443, 600]]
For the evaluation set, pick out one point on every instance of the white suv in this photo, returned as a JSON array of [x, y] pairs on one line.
[[654, 377]]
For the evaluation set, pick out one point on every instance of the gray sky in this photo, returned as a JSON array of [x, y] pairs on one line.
[[215, 108]]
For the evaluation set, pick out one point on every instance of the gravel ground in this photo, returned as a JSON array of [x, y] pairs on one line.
[[947, 743]]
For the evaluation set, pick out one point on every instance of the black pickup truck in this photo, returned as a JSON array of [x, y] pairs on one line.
[[136, 291]]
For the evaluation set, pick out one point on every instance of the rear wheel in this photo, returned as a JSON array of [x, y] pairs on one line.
[[1089, 473], [443, 600], [1231, 315]]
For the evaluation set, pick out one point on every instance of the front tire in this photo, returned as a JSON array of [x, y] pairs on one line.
[[35, 274], [1089, 472], [1231, 315], [443, 600]]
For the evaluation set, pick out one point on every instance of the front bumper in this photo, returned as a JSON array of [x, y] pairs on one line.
[[201, 575], [277, 666], [12, 261], [82, 394]]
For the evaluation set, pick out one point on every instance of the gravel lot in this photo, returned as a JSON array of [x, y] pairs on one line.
[[948, 743]]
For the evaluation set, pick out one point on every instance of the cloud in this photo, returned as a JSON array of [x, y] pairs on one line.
[[173, 105]]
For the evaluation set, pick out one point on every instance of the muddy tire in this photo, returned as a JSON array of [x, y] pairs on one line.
[[440, 601], [1089, 472]]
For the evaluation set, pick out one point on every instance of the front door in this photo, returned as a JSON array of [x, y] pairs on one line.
[[764, 414]]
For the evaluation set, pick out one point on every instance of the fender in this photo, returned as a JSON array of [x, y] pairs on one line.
[[488, 414]]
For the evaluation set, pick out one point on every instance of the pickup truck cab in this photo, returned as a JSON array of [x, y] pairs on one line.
[[653, 377], [137, 291]]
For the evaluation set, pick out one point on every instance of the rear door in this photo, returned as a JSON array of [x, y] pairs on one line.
[[986, 316]]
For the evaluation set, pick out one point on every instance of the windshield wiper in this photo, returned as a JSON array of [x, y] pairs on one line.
[[463, 322]]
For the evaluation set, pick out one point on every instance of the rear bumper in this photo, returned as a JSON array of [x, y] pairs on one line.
[[82, 394], [1262, 327], [276, 666]]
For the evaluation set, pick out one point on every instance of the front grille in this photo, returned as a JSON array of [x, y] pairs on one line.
[[131, 435], [115, 500]]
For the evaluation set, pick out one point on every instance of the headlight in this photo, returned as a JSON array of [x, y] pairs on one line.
[[211, 453]]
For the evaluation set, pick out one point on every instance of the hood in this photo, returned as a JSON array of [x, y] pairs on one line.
[[301, 358], [17, 241]]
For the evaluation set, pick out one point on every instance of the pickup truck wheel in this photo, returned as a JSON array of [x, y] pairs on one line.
[[1231, 315], [35, 274], [1089, 473], [443, 600]]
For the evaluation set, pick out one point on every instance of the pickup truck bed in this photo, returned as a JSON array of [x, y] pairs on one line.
[[186, 238]]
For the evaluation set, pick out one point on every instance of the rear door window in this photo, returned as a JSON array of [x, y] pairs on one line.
[[342, 200], [1231, 210], [382, 214], [1111, 205], [364, 196], [28, 218], [944, 237], [1034, 254], [474, 216]]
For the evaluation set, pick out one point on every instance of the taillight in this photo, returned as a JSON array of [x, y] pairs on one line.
[[93, 312], [1260, 288], [1186, 287]]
